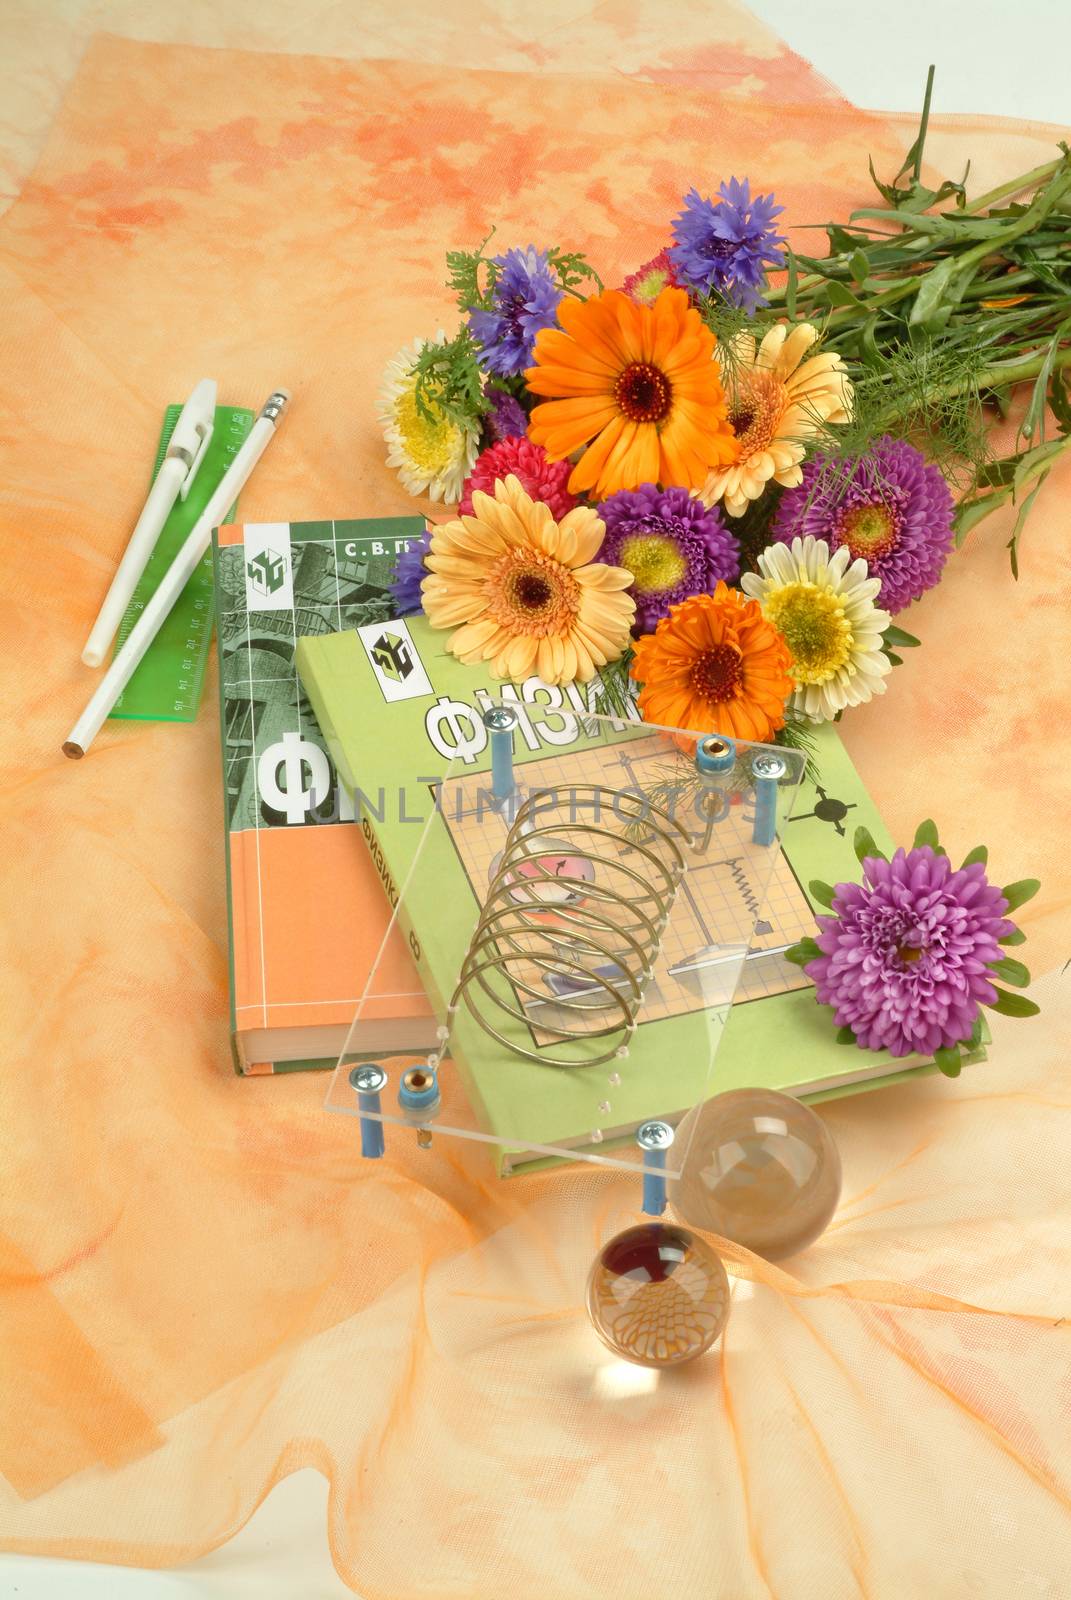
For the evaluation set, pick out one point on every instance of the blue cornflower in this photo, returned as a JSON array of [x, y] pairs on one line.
[[525, 299], [724, 246], [409, 573]]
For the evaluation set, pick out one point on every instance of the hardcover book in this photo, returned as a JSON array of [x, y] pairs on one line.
[[399, 712], [306, 913]]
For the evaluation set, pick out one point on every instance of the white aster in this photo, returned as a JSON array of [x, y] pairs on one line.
[[433, 456], [824, 608]]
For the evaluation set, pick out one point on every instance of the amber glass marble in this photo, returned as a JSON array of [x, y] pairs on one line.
[[657, 1295], [759, 1168]]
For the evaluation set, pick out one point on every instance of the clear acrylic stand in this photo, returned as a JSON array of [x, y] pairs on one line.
[[582, 900]]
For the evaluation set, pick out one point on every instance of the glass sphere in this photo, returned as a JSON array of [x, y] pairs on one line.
[[657, 1295], [759, 1168]]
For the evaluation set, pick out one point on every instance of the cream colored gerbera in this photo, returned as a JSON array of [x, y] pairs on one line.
[[823, 607], [522, 590], [433, 455], [779, 399]]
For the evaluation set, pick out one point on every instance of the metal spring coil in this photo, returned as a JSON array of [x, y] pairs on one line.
[[572, 923]]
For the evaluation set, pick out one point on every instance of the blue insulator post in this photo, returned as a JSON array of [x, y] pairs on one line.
[[715, 759], [767, 770], [654, 1139], [714, 756], [419, 1100], [500, 722], [370, 1080]]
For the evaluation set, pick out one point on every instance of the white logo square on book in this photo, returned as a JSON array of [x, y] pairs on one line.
[[398, 668], [269, 567]]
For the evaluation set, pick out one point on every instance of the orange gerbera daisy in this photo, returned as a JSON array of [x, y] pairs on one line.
[[522, 591], [639, 385], [714, 664]]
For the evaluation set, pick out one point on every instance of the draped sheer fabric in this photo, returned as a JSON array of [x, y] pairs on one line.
[[201, 1286]]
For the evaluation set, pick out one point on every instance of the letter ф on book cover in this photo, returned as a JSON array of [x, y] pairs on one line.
[[403, 719], [307, 914]]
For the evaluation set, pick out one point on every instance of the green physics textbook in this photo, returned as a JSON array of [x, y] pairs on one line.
[[398, 711], [306, 918]]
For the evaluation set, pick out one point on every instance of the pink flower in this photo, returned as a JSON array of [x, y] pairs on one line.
[[906, 956], [541, 479], [647, 282]]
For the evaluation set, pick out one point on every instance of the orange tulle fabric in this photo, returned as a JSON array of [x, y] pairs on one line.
[[638, 386], [202, 1287]]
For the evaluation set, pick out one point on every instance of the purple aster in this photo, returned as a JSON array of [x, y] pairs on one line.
[[674, 547], [905, 957], [507, 418], [409, 573], [724, 246], [525, 298], [888, 507]]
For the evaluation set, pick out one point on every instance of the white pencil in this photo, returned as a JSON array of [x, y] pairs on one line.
[[178, 575], [185, 452]]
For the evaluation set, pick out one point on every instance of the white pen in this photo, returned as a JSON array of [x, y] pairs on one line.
[[176, 578], [185, 452]]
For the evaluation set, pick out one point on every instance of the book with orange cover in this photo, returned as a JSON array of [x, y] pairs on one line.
[[306, 910]]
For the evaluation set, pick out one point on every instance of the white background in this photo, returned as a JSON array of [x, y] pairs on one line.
[[1011, 59]]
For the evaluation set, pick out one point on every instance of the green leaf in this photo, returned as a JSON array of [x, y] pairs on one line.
[[1008, 970], [820, 891], [888, 191], [1020, 523], [841, 243], [860, 267], [799, 954], [896, 660], [926, 833], [1060, 400], [974, 1038], [1034, 420], [934, 299], [969, 513], [838, 294], [913, 159], [1017, 936], [793, 280], [1014, 1005], [949, 1061], [1017, 894], [845, 1036], [978, 855], [864, 845], [901, 640]]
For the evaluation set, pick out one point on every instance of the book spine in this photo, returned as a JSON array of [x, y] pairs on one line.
[[236, 1054]]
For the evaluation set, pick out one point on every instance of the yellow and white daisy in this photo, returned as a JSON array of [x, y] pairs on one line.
[[522, 590], [433, 455], [779, 398], [823, 607]]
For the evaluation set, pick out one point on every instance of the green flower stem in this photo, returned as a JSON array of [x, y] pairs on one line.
[[1028, 180], [1001, 374]]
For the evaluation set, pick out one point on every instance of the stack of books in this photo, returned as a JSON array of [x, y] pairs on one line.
[[327, 700]]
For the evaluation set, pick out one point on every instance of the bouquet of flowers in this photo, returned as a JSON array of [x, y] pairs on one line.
[[718, 483]]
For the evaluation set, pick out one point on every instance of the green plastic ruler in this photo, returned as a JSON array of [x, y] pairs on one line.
[[167, 684]]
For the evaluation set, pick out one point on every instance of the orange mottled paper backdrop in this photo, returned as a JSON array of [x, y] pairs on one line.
[[202, 1287]]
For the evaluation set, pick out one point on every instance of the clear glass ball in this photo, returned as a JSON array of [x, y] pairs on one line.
[[760, 1168], [657, 1295]]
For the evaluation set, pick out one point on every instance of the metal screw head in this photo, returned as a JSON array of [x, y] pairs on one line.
[[768, 765], [654, 1136], [499, 718], [369, 1078]]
